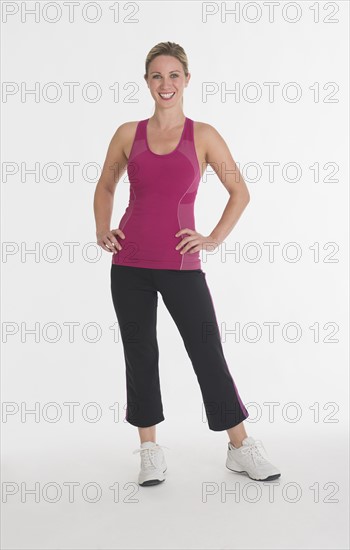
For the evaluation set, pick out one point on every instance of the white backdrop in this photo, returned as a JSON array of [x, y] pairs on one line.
[[274, 83]]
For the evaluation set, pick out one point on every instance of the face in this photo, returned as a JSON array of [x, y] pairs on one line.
[[166, 76]]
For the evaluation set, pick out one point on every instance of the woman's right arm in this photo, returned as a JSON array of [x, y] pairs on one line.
[[113, 168]]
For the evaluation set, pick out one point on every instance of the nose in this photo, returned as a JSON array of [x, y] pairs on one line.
[[166, 84]]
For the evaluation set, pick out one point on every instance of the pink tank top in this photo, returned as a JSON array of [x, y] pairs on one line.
[[163, 189]]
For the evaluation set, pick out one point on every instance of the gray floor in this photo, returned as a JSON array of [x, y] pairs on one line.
[[200, 505]]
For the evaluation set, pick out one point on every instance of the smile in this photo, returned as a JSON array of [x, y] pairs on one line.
[[167, 96]]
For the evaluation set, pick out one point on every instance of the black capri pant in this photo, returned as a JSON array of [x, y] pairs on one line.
[[187, 297]]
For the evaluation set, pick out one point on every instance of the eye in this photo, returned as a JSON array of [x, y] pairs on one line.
[[173, 74]]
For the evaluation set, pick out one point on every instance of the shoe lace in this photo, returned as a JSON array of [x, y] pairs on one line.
[[147, 456], [254, 451]]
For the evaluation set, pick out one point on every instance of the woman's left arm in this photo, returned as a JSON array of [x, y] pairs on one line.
[[220, 159]]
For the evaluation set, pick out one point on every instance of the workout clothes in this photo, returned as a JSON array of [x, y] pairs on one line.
[[187, 297], [163, 190]]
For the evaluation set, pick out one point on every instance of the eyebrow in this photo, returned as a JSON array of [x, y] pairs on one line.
[[174, 71]]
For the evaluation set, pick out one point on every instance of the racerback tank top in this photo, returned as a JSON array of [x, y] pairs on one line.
[[163, 189]]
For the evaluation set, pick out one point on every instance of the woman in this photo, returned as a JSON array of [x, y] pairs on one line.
[[156, 248]]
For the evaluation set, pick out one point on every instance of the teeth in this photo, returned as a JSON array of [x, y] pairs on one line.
[[166, 96]]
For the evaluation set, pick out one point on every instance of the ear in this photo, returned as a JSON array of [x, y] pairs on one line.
[[188, 78]]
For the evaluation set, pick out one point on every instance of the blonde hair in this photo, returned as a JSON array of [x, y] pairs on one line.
[[167, 48]]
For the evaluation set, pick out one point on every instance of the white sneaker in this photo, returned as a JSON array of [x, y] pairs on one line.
[[153, 465], [249, 459]]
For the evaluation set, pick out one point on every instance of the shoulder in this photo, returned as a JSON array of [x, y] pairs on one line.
[[208, 136], [126, 129], [124, 136], [206, 131]]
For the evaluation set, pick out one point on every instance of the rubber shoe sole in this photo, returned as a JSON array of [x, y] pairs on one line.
[[268, 478], [155, 481]]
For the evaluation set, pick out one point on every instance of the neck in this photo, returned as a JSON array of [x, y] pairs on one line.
[[165, 119]]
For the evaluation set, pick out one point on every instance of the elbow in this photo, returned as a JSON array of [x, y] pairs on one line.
[[243, 196]]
